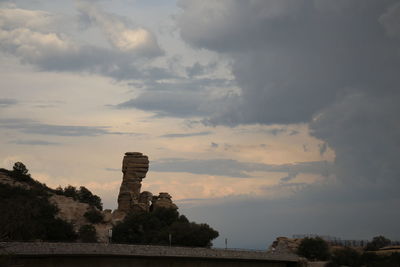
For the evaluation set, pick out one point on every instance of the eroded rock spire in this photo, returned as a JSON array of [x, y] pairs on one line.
[[134, 168]]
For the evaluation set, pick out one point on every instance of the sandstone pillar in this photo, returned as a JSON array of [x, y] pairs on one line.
[[134, 168]]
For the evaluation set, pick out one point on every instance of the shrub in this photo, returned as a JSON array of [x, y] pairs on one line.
[[377, 243], [94, 216], [88, 234], [82, 195], [85, 196], [314, 249], [28, 215], [346, 256], [155, 228], [59, 230], [20, 168]]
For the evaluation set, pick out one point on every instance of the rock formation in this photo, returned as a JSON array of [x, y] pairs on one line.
[[163, 200], [134, 168], [285, 245]]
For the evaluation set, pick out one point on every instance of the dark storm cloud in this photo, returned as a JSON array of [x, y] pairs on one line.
[[179, 97], [233, 168], [180, 135], [6, 102], [34, 127], [175, 104], [292, 58], [333, 65]]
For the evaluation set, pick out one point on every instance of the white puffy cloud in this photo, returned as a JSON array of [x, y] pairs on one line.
[[25, 33], [34, 36], [11, 18], [121, 35]]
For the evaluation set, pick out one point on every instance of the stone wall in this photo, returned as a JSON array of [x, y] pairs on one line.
[[99, 255]]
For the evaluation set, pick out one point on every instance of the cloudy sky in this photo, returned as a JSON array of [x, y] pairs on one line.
[[261, 118]]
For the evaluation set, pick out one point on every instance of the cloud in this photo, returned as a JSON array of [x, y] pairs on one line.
[[34, 127], [289, 177], [6, 102], [42, 44], [214, 145], [180, 96], [233, 168], [365, 140], [390, 20], [11, 18], [332, 66], [175, 104], [122, 36], [323, 209], [180, 135], [270, 42], [34, 143], [322, 148], [198, 69]]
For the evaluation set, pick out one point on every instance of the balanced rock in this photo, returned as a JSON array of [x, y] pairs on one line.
[[134, 168], [163, 200]]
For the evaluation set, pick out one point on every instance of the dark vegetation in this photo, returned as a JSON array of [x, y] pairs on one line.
[[82, 195], [158, 226], [28, 215], [26, 212], [377, 243], [317, 249], [94, 216], [314, 249], [87, 234]]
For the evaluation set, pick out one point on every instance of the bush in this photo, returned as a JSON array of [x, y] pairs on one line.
[[377, 243], [155, 228], [28, 215], [346, 256], [88, 234], [85, 196], [59, 230], [82, 195], [94, 216], [20, 168], [314, 249]]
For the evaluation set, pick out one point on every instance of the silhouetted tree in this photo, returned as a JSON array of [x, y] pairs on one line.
[[377, 243], [155, 228], [314, 249], [20, 168], [27, 214], [85, 196], [94, 216]]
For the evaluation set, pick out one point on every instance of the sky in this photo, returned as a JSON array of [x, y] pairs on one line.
[[261, 118]]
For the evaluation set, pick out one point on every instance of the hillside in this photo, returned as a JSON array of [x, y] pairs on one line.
[[31, 211]]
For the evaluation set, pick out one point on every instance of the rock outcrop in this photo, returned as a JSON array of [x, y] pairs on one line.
[[163, 200], [130, 198], [285, 245], [134, 168]]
